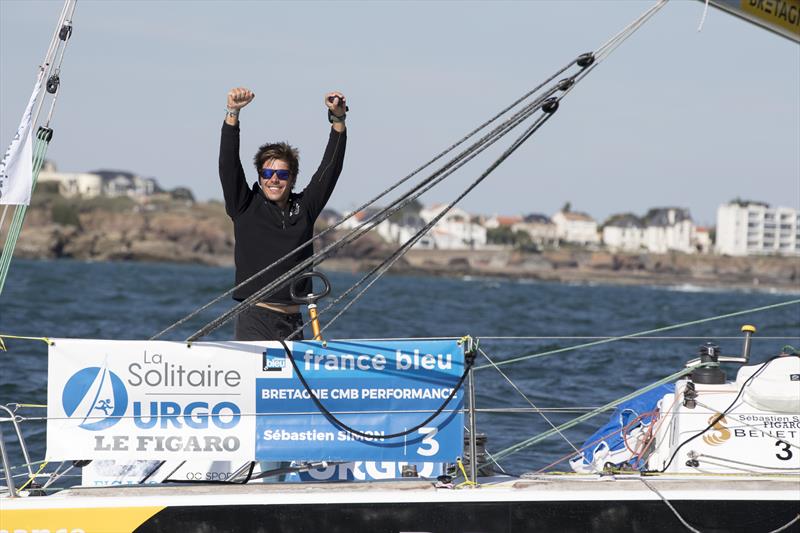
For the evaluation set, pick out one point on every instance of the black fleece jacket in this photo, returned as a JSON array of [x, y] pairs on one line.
[[264, 232]]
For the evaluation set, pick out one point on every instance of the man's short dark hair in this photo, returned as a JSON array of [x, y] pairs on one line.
[[283, 151]]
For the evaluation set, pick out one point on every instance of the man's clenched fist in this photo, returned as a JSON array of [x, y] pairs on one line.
[[239, 97]]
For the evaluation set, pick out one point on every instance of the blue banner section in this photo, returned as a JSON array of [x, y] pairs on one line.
[[376, 387]]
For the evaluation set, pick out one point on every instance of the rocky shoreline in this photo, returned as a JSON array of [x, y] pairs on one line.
[[203, 234]]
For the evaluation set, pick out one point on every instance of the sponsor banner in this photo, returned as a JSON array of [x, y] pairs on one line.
[[16, 167], [763, 441], [376, 387], [151, 400], [367, 471], [242, 401]]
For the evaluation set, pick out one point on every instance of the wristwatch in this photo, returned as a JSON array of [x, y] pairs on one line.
[[333, 119]]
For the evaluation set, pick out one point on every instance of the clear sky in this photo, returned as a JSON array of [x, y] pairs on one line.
[[673, 117]]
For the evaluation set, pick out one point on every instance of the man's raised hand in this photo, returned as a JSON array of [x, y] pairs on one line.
[[336, 103], [239, 97]]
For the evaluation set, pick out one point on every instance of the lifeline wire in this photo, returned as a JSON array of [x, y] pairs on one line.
[[641, 333], [516, 388]]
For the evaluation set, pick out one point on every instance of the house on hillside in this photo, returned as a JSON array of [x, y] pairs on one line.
[[576, 227], [624, 232], [668, 229], [124, 183], [702, 240], [540, 228], [72, 184], [501, 221], [661, 230], [329, 217], [359, 218], [99, 183], [457, 230]]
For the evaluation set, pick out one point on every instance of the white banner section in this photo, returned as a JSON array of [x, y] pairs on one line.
[[151, 399], [16, 168]]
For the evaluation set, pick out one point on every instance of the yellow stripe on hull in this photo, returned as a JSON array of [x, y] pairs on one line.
[[102, 520]]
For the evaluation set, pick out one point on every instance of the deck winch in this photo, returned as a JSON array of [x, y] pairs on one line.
[[311, 298]]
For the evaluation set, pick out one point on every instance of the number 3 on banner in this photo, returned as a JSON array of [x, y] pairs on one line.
[[428, 440], [780, 456]]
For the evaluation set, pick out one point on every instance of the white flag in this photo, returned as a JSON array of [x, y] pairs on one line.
[[16, 168]]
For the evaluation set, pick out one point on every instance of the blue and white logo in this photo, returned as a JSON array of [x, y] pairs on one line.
[[274, 359], [96, 396]]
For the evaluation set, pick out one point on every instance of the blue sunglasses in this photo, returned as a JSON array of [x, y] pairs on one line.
[[267, 173]]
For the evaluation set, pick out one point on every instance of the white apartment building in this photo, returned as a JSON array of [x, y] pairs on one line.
[[573, 226], [455, 231], [754, 228]]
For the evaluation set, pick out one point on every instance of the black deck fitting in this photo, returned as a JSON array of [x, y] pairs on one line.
[[550, 105], [584, 60]]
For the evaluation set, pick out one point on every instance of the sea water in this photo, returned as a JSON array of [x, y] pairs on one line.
[[137, 300]]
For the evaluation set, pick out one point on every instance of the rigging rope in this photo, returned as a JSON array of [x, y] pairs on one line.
[[372, 200], [48, 70], [446, 170], [361, 230], [584, 61], [640, 334], [384, 266], [43, 137]]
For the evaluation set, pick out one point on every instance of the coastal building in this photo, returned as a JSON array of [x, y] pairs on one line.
[[123, 183], [85, 184], [661, 230], [359, 218], [624, 232], [98, 183], [668, 229], [540, 228], [329, 217], [457, 230], [501, 221], [575, 227], [754, 228], [395, 230], [702, 240]]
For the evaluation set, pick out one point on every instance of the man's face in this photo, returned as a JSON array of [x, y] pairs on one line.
[[275, 188]]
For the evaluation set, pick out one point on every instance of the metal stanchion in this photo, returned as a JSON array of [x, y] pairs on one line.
[[473, 434], [7, 466]]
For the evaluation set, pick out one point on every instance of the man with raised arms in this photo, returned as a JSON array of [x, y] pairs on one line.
[[269, 219]]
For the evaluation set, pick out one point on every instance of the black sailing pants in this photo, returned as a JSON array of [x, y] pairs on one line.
[[259, 324]]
